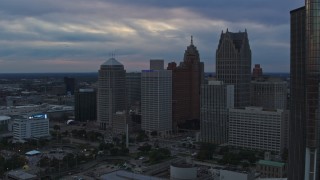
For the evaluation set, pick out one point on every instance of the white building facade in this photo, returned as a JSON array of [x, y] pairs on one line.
[[256, 128], [36, 126], [156, 101]]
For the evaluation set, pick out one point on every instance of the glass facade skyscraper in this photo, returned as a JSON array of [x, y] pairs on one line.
[[305, 79]]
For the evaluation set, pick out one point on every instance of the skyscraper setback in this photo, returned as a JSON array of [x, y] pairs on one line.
[[233, 64], [304, 137], [186, 81]]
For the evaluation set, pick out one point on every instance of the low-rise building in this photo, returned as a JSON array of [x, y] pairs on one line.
[[271, 169], [35, 126]]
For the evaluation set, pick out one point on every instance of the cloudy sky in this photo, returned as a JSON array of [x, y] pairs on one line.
[[79, 35]]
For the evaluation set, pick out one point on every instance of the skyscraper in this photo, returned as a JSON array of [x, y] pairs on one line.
[[216, 99], [269, 93], [111, 92], [70, 84], [85, 108], [156, 101], [133, 87], [297, 122], [233, 64], [156, 64], [304, 155], [186, 81], [257, 71]]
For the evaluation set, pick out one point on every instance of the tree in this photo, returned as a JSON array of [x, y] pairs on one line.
[[154, 133], [157, 155], [56, 127], [284, 155], [114, 151], [44, 162], [141, 136], [145, 148]]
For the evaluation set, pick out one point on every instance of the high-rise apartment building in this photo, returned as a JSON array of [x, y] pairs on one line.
[[111, 92], [186, 81], [216, 99], [233, 64], [256, 128], [85, 108], [269, 93], [156, 101]]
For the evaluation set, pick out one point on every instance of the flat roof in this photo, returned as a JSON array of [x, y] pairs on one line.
[[21, 175], [3, 118], [125, 175], [271, 163], [33, 152]]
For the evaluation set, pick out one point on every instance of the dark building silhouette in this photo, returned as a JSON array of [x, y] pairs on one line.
[[85, 105], [233, 64], [304, 125], [257, 71], [186, 81], [156, 64], [70, 84], [133, 87], [111, 92]]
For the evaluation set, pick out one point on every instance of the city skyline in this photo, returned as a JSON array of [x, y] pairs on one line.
[[77, 36]]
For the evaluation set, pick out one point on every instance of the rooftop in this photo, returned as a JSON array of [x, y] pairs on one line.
[[112, 62], [124, 175], [271, 163], [21, 175]]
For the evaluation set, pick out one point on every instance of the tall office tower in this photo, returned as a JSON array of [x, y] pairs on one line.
[[269, 93], [133, 87], [70, 84], [111, 92], [233, 64], [257, 71], [85, 108], [256, 128], [216, 99], [304, 162], [156, 64], [187, 78], [156, 101]]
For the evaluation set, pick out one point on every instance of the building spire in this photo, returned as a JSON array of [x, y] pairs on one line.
[[191, 40]]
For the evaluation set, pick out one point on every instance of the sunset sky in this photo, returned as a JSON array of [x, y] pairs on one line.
[[79, 35]]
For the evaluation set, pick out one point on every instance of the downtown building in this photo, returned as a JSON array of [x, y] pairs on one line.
[[233, 64], [111, 92], [156, 101], [258, 129], [133, 91], [35, 126], [216, 99], [269, 93], [304, 125], [187, 78], [85, 108]]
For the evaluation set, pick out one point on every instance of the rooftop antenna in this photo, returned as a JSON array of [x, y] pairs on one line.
[[191, 40]]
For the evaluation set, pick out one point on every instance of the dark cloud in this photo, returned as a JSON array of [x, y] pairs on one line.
[[80, 30]]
